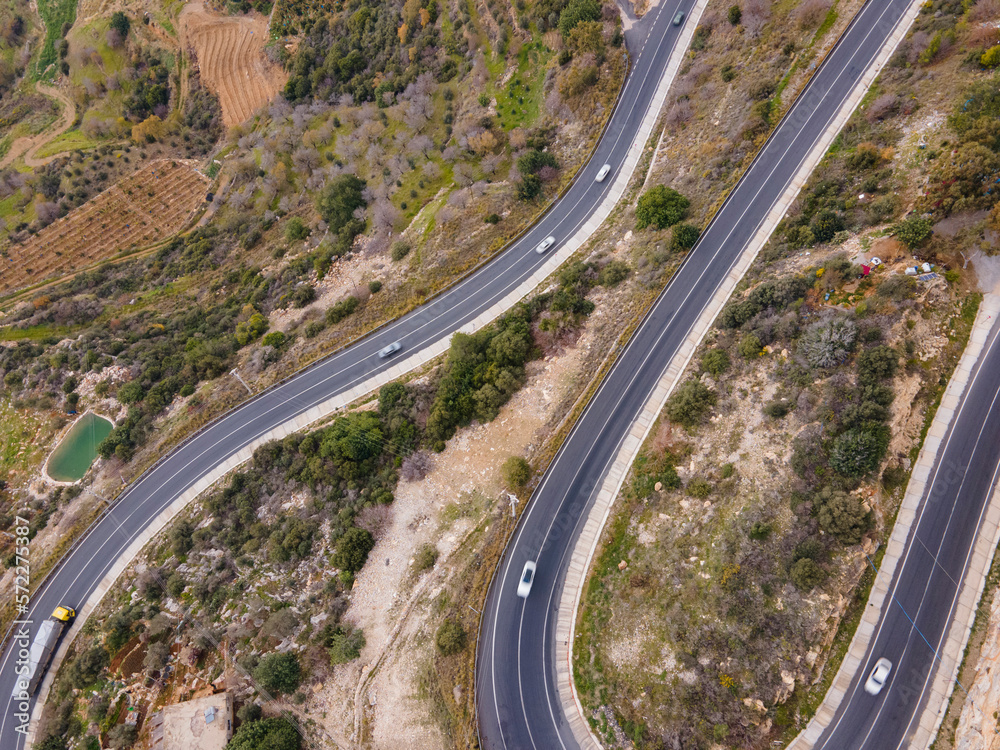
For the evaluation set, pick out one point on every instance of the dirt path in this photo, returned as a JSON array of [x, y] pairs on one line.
[[31, 145]]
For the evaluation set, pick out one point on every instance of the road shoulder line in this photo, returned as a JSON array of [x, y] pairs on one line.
[[587, 543], [566, 250], [959, 631]]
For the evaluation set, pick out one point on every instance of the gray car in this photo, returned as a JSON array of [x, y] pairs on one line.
[[388, 351]]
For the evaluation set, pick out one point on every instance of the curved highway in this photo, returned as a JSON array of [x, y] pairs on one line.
[[651, 42], [518, 703], [924, 591]]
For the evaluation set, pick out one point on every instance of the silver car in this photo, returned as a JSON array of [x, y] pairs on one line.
[[877, 679], [545, 245], [603, 173], [527, 576], [388, 351]]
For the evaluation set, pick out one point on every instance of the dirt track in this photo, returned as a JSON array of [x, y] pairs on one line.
[[30, 145], [230, 55]]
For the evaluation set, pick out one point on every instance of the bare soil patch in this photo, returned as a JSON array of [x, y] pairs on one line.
[[229, 52]]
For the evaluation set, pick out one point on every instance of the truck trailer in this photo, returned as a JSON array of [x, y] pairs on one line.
[[31, 670]]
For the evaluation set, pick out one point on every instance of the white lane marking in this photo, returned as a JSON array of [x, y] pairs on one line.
[[694, 286], [923, 597], [898, 573]]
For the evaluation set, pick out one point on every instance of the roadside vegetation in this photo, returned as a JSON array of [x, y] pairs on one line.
[[712, 613]]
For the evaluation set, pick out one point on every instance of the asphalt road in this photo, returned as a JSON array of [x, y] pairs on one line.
[[650, 43], [518, 705], [925, 588]]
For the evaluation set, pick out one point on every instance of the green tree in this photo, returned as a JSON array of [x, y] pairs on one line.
[[750, 346], [450, 638], [914, 231], [735, 15], [660, 206], [826, 224], [272, 734], [346, 645], [88, 666], [858, 452], [249, 330], [690, 403], [338, 201], [529, 188], [120, 23], [685, 236], [516, 472], [296, 229], [806, 574], [842, 515], [877, 364], [352, 550], [279, 673], [577, 11], [715, 361]]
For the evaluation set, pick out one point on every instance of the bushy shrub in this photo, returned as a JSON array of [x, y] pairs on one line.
[[778, 409], [715, 361], [352, 550], [661, 207], [516, 472], [759, 531], [914, 231], [684, 237], [735, 14], [699, 488], [400, 250], [690, 403], [613, 273], [858, 452], [296, 229], [877, 364], [274, 338], [842, 515], [342, 309], [279, 673], [827, 343], [450, 638], [274, 734], [806, 574], [345, 645], [425, 558], [750, 346]]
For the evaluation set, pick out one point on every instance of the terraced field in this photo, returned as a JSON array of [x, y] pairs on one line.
[[229, 51], [149, 205]]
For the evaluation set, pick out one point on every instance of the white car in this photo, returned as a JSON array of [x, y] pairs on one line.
[[877, 679], [545, 245], [603, 173], [388, 351], [527, 576]]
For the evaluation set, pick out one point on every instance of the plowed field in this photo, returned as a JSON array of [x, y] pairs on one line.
[[230, 57], [150, 205]]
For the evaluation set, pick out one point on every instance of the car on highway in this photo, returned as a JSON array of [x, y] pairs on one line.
[[388, 351], [679, 18], [603, 173], [545, 244], [876, 680], [527, 576]]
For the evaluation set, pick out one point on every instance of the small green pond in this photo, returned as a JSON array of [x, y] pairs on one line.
[[78, 449]]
